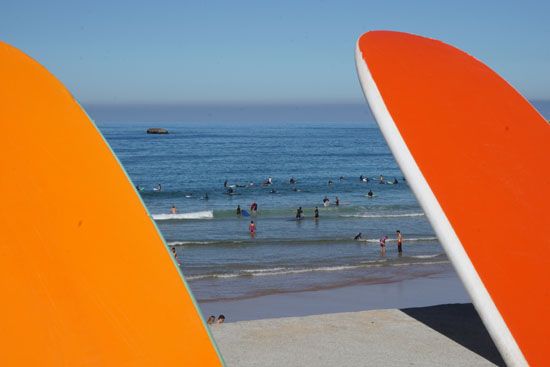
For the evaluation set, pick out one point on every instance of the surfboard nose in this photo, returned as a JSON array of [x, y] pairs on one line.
[[470, 146]]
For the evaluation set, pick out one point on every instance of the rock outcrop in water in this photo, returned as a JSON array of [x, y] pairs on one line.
[[157, 130]]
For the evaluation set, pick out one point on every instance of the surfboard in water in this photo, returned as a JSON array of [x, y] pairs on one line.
[[477, 156], [85, 277]]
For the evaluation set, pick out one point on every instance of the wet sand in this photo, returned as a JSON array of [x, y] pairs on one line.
[[418, 292]]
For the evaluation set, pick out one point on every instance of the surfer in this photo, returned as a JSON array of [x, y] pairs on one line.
[[299, 212], [370, 194], [230, 191], [337, 201], [139, 188], [382, 179], [239, 210], [252, 228], [399, 242], [173, 210], [383, 245], [358, 236], [292, 181], [395, 181], [157, 188], [316, 213]]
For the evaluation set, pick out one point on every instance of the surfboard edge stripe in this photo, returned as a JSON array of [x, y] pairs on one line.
[[481, 298]]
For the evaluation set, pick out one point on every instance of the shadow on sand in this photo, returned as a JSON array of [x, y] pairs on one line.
[[461, 323]]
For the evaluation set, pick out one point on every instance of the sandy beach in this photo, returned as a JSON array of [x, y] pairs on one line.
[[450, 335]]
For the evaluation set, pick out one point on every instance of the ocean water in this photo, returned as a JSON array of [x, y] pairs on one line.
[[217, 254]]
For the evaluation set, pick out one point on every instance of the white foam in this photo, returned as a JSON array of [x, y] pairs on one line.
[[366, 215], [206, 214]]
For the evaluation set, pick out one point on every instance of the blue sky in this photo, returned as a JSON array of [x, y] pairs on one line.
[[259, 52]]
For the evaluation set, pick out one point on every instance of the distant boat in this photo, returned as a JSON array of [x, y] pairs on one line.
[[157, 130]]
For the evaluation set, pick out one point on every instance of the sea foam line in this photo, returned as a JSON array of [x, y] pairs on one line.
[[365, 215], [205, 214], [287, 271]]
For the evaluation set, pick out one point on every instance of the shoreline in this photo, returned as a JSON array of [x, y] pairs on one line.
[[430, 290]]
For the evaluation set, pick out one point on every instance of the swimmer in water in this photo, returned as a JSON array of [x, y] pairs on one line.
[[330, 182], [299, 212], [253, 207], [273, 191], [292, 181], [175, 254], [399, 242], [252, 228], [383, 245], [370, 194], [342, 178], [173, 210], [382, 179], [395, 181]]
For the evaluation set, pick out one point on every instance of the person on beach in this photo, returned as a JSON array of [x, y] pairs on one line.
[[221, 319], [358, 236], [173, 210], [239, 211], [211, 320], [337, 201], [370, 194], [316, 213], [383, 245], [252, 228], [299, 212], [399, 242]]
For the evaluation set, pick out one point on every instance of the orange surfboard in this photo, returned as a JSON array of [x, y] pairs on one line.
[[477, 156], [85, 277]]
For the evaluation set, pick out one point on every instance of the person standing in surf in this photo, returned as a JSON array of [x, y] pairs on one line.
[[252, 228], [239, 211], [316, 213], [173, 210], [337, 201], [383, 245], [399, 242], [299, 212]]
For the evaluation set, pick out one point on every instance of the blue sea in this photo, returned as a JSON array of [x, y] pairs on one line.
[[222, 261]]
